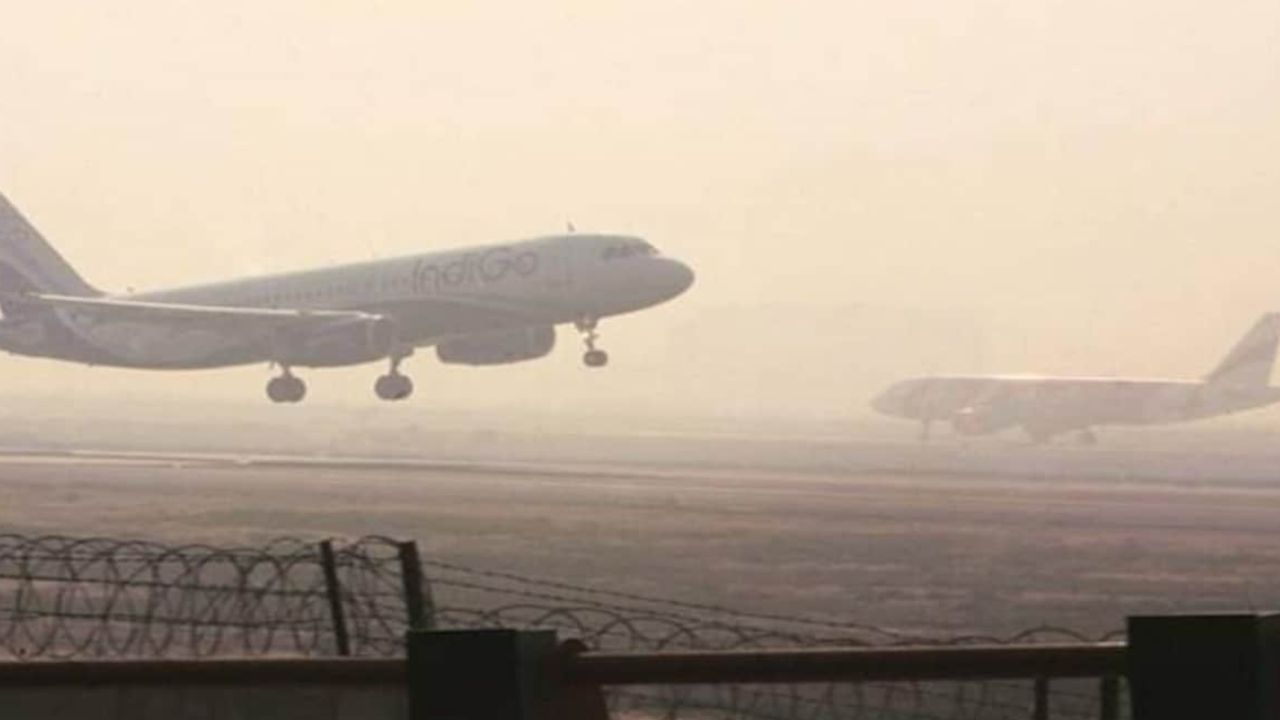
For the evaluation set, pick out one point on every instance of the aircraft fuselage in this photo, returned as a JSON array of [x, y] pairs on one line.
[[429, 297]]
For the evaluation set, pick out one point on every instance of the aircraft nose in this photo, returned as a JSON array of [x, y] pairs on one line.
[[880, 403], [888, 402], [681, 276], [669, 278]]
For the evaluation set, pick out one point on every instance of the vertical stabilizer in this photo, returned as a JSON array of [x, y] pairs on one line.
[[1249, 363], [29, 263]]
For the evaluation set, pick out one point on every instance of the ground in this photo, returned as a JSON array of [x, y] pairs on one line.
[[981, 549]]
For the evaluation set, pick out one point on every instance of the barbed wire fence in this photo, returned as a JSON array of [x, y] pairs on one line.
[[80, 598]]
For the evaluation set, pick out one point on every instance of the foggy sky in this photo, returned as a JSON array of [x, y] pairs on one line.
[[866, 190]]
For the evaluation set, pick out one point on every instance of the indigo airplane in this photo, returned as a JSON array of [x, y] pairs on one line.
[[485, 305], [1046, 406]]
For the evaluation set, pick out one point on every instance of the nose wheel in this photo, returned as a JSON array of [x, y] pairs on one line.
[[286, 388], [593, 357]]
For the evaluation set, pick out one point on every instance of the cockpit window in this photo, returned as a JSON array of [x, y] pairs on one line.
[[637, 248]]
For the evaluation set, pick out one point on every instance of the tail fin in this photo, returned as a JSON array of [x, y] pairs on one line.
[[1250, 362], [29, 263]]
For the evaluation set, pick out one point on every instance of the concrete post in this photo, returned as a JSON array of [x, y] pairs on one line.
[[480, 674], [1204, 666]]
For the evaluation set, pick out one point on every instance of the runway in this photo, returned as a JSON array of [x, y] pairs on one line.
[[911, 548]]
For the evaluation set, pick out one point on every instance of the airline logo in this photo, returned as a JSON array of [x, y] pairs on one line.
[[474, 269]]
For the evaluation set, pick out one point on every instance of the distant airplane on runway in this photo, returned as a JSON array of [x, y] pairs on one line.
[[484, 305], [1046, 406]]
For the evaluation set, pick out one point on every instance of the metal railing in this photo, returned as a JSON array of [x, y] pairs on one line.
[[1176, 666], [576, 676], [1039, 664], [239, 671], [859, 664]]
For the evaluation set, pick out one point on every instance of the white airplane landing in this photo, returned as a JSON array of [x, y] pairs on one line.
[[1045, 406], [484, 305]]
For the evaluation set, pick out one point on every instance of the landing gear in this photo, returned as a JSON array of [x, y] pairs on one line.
[[393, 385], [1086, 437], [593, 357], [286, 388], [925, 427]]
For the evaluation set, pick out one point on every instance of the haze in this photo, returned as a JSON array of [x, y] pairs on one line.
[[867, 191]]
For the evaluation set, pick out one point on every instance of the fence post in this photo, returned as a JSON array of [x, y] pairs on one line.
[[575, 702], [1204, 666], [333, 589], [1041, 709], [1109, 698], [418, 602], [481, 674]]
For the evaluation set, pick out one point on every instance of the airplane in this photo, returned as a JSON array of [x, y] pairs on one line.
[[483, 305], [1047, 406]]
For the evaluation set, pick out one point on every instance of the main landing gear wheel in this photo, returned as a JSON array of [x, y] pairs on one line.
[[393, 386], [593, 357], [286, 389]]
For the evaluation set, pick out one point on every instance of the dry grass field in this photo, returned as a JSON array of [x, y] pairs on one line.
[[920, 551]]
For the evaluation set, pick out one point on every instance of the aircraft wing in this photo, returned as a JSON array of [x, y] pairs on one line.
[[202, 316]]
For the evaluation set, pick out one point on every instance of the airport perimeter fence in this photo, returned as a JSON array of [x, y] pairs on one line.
[[95, 598]]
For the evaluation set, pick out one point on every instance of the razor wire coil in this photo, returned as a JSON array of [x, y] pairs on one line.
[[80, 598]]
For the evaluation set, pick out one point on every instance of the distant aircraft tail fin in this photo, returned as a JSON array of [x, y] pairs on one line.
[[1250, 362], [28, 263]]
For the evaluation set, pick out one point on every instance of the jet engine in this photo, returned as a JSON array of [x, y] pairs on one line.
[[498, 347], [346, 342]]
